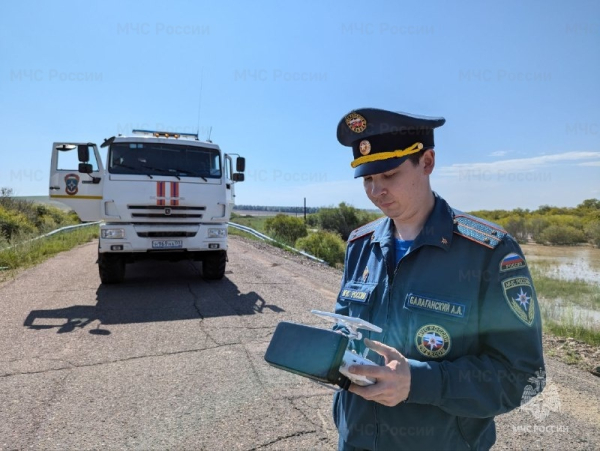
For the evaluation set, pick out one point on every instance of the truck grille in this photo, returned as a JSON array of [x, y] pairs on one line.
[[172, 234], [166, 211], [165, 230]]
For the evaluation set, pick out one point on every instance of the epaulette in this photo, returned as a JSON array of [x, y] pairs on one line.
[[476, 229], [364, 230]]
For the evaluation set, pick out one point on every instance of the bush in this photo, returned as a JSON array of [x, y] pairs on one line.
[[516, 227], [14, 223], [592, 231], [312, 220], [325, 245], [343, 219], [535, 226], [286, 228], [557, 234], [23, 218]]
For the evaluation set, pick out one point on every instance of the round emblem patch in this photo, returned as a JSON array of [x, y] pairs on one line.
[[364, 147], [433, 341], [356, 122], [71, 184]]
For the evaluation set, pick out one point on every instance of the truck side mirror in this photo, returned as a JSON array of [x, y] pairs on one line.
[[85, 168], [238, 177], [83, 153], [240, 164]]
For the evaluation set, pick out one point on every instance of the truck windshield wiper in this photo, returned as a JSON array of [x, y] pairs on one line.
[[193, 174], [159, 170], [169, 171], [175, 175], [137, 171]]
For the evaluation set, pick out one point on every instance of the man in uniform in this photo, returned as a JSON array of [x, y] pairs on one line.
[[461, 340]]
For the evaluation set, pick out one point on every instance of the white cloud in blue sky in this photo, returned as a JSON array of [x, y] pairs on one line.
[[499, 153]]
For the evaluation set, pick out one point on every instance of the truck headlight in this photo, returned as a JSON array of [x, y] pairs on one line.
[[217, 233], [112, 234]]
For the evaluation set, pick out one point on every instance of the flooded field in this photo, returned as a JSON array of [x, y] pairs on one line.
[[566, 262], [579, 268]]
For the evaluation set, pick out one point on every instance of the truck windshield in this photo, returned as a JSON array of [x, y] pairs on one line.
[[164, 159]]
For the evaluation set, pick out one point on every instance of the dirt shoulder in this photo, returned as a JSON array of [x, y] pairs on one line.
[[572, 352]]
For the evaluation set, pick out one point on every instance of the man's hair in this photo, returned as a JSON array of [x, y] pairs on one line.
[[415, 157]]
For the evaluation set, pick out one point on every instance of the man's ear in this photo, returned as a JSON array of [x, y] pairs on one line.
[[428, 161]]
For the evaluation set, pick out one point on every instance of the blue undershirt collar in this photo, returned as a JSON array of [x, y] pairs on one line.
[[402, 247]]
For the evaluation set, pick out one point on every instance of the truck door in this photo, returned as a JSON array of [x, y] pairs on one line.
[[81, 191]]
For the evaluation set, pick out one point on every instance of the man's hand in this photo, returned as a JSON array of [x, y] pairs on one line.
[[393, 379]]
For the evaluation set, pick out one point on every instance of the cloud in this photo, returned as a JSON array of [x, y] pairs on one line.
[[499, 153], [520, 164]]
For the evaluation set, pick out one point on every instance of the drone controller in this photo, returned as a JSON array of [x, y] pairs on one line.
[[351, 357], [323, 355]]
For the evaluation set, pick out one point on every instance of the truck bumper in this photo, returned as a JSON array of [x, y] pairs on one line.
[[162, 239]]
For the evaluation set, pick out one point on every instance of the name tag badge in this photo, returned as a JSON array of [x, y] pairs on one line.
[[357, 292], [437, 306]]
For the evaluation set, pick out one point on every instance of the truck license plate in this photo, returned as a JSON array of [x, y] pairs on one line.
[[167, 244]]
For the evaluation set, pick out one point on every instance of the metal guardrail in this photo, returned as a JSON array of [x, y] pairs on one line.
[[230, 224], [268, 238], [62, 229]]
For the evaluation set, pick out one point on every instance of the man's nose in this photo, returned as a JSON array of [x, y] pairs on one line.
[[377, 188]]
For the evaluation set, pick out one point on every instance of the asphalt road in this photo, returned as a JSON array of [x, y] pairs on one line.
[[170, 361]]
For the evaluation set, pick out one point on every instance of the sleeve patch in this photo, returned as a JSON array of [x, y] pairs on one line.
[[512, 261], [518, 292]]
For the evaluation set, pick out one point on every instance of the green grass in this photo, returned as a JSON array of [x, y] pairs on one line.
[[27, 254], [579, 333], [254, 222], [563, 320], [236, 232]]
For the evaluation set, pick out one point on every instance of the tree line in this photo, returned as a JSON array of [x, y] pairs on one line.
[[550, 225], [325, 232]]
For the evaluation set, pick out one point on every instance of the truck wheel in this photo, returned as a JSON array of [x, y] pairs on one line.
[[112, 268], [213, 265]]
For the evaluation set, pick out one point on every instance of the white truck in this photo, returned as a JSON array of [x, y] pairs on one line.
[[161, 195]]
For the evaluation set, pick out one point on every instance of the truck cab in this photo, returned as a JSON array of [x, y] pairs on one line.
[[159, 195]]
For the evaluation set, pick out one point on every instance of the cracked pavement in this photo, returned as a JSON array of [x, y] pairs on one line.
[[164, 361], [170, 361]]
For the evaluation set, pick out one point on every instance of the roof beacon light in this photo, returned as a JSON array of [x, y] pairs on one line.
[[159, 134]]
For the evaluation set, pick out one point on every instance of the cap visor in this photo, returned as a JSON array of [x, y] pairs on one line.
[[377, 167]]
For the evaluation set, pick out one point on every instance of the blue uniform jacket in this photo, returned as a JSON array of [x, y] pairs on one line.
[[461, 307]]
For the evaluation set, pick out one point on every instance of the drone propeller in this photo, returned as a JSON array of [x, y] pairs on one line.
[[348, 321]]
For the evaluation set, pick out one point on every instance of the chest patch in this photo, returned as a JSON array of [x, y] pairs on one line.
[[453, 309], [518, 292], [433, 341], [357, 292]]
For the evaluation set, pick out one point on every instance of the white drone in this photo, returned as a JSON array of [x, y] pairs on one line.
[[349, 322]]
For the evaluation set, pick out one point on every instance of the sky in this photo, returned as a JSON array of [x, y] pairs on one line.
[[517, 81]]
